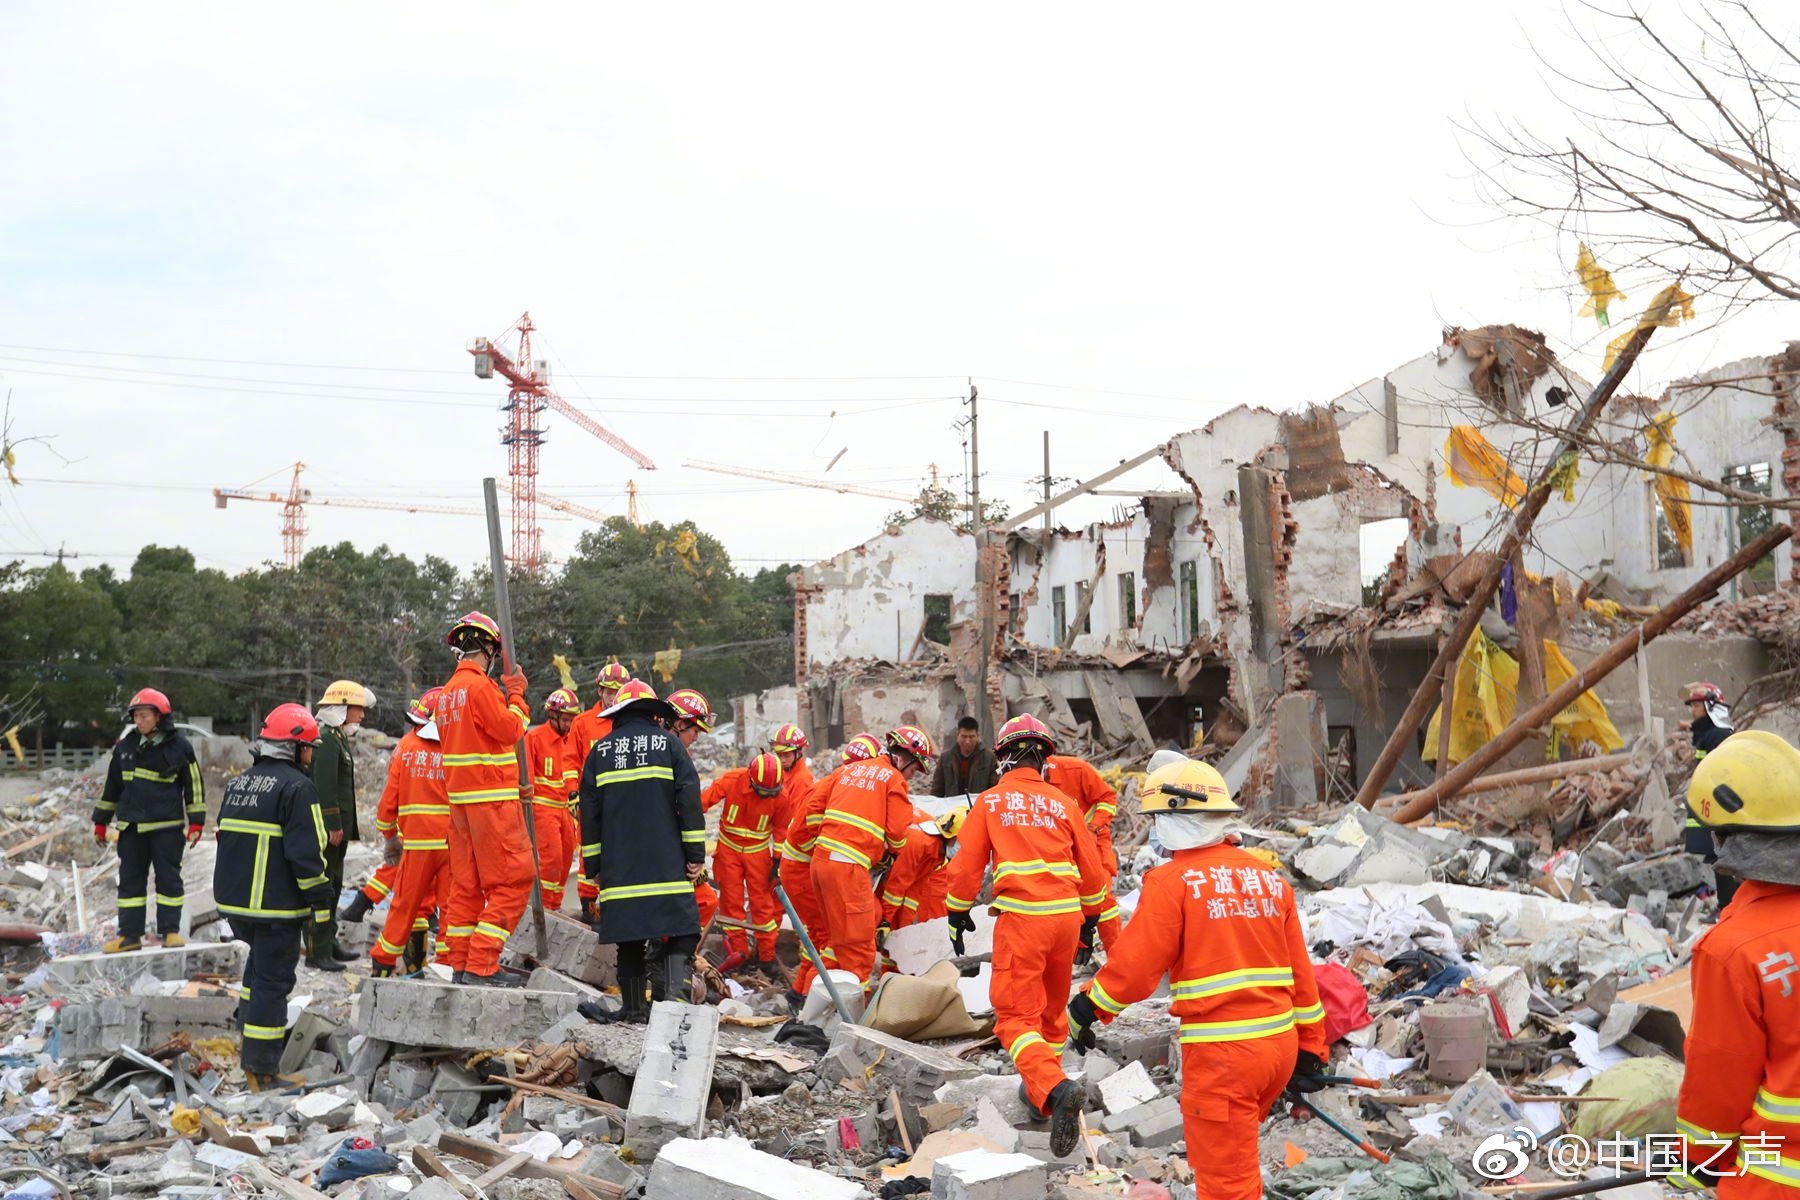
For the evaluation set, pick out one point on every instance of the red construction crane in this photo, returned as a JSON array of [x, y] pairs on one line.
[[293, 510], [529, 395]]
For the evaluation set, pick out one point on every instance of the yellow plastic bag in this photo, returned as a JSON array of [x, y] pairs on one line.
[[1586, 719], [1673, 493], [1482, 699], [1599, 284], [1471, 461]]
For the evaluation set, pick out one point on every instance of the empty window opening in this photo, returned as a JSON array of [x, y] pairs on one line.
[[1749, 523], [1128, 600], [1190, 600], [1379, 541], [937, 618], [1059, 607]]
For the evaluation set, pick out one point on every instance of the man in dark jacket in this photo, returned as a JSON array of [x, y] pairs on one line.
[[340, 715], [269, 878], [153, 791], [1708, 727], [644, 839], [969, 767]]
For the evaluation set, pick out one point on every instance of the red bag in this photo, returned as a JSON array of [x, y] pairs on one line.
[[1346, 1002]]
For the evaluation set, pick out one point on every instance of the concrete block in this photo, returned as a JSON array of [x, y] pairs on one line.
[[1036, 1143], [1161, 1130], [572, 950], [1139, 1037], [141, 1022], [994, 1127], [1144, 1113], [1096, 1068], [24, 875], [733, 1169], [546, 980], [411, 1079], [603, 1162], [433, 1189], [918, 1071], [452, 1089], [1002, 1091], [1676, 875], [1127, 1088], [307, 1033], [984, 1175], [674, 1080], [918, 947], [84, 971], [418, 1012]]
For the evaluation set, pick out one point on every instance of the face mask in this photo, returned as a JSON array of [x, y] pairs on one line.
[[349, 730], [1156, 842], [951, 849]]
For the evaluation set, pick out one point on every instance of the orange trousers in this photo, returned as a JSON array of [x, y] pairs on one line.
[[796, 881], [381, 885], [1034, 957], [421, 877], [738, 875], [490, 883], [707, 897], [1226, 1090], [557, 842], [852, 914]]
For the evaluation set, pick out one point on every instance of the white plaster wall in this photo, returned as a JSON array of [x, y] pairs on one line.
[[1068, 560], [872, 598]]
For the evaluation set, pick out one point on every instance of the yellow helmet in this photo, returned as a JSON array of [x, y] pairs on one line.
[[951, 823], [347, 691], [1751, 783], [1186, 787]]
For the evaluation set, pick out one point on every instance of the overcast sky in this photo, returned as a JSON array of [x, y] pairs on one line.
[[229, 241]]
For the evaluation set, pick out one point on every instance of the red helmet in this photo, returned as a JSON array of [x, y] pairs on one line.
[[420, 710], [149, 697], [787, 738], [914, 741], [1024, 728], [765, 775], [862, 746], [290, 723], [612, 676], [477, 623], [1705, 693], [690, 705], [562, 700]]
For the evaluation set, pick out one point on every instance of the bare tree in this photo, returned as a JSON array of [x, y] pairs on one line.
[[1676, 150]]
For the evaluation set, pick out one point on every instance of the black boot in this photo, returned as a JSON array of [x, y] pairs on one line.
[[501, 978], [634, 1006], [320, 941], [412, 959], [1065, 1117], [357, 909], [678, 978], [587, 910]]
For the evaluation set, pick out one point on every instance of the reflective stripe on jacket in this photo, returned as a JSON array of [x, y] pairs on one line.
[[554, 770], [748, 821], [152, 783], [270, 865], [866, 812], [803, 828], [1077, 779], [415, 803], [1045, 860], [1225, 929]]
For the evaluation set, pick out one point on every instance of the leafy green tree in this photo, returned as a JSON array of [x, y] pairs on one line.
[[184, 629], [941, 504], [66, 646]]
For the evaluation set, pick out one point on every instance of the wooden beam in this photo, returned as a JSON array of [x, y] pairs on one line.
[[588, 1102], [429, 1164], [1542, 773], [1020, 520], [500, 1171]]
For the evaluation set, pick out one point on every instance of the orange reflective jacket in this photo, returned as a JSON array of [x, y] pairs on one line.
[[413, 802], [479, 731], [1224, 928], [796, 786], [748, 823], [1045, 861], [915, 885], [1077, 779], [587, 728], [1746, 1030], [866, 812], [554, 771], [803, 826]]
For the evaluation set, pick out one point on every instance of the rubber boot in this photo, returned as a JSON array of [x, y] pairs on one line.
[[501, 978], [1065, 1117], [357, 909], [677, 978], [634, 1006], [412, 959], [171, 940], [320, 941], [122, 945], [380, 971]]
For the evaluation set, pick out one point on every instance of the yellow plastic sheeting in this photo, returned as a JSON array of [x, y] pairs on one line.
[[1599, 284], [1681, 308], [666, 663], [1472, 461], [562, 670], [1671, 492], [1485, 697]]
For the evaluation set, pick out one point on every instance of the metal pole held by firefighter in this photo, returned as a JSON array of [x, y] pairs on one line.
[[503, 614], [812, 952]]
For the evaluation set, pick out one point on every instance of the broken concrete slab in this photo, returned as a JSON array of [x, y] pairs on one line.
[[674, 1080], [75, 972], [918, 1071], [917, 948], [985, 1175], [1127, 1088], [994, 1127], [1362, 847], [544, 979], [420, 1012], [309, 1032], [1144, 1114], [572, 949], [733, 1169], [1141, 1035], [140, 1022]]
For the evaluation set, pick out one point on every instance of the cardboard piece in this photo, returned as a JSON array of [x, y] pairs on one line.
[[1674, 991]]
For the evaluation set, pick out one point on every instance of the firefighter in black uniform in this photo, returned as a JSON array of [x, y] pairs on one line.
[[270, 878], [644, 839], [153, 791], [1708, 727]]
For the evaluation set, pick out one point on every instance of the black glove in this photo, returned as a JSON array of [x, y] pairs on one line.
[[1084, 949], [1308, 1076], [960, 923], [1082, 1016]]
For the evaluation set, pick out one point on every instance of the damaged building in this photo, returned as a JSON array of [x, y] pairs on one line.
[[1282, 595]]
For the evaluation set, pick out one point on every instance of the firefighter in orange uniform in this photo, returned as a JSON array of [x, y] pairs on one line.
[[381, 884], [796, 863], [414, 816], [491, 869], [1077, 779], [588, 728], [741, 864], [1224, 928], [1047, 877], [554, 774], [865, 818], [693, 717], [913, 891], [1740, 1116], [789, 748]]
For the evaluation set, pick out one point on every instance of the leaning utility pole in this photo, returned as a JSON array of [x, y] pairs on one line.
[[1431, 688], [984, 602]]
